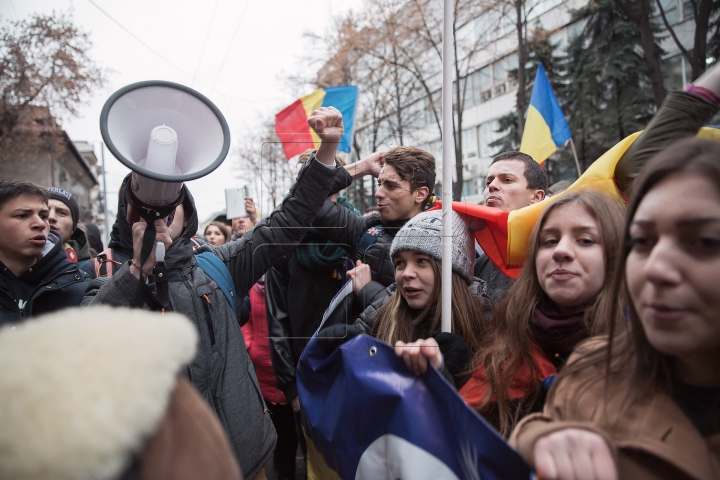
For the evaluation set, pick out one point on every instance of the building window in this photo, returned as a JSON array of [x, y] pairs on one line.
[[489, 134], [670, 9], [469, 143], [676, 72], [469, 188]]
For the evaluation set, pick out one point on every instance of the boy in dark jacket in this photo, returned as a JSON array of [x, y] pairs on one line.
[[35, 275]]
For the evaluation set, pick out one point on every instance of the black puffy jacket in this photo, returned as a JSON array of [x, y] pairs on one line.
[[57, 283], [341, 226]]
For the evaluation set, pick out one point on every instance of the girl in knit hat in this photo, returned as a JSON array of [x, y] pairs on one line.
[[412, 311]]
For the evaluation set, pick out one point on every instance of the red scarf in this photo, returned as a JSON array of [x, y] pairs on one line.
[[475, 390]]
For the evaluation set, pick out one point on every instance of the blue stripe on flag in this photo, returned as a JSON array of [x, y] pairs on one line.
[[345, 100]]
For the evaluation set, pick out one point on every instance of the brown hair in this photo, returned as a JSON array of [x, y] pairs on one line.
[[395, 320], [10, 189], [222, 227], [534, 173], [629, 357], [507, 344], [414, 165]]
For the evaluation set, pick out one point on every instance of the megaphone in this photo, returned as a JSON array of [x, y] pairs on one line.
[[167, 134]]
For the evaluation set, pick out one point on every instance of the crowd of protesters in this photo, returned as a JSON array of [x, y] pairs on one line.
[[602, 360]]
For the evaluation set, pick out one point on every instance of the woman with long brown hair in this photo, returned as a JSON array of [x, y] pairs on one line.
[[560, 298], [644, 402]]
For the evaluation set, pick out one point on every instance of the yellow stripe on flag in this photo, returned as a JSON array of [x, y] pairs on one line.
[[311, 102], [317, 469], [537, 139], [600, 176]]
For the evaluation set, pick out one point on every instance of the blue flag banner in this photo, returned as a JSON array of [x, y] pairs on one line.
[[366, 416], [545, 125]]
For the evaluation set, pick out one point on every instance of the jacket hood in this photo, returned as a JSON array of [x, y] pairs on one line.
[[53, 254], [79, 242], [180, 249], [121, 235]]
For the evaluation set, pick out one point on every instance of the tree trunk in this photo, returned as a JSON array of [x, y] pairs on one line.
[[702, 19], [650, 49], [521, 99]]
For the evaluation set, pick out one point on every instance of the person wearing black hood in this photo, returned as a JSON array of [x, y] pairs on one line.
[[222, 370], [120, 246], [35, 275]]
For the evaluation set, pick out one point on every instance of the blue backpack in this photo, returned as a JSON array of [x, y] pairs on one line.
[[218, 272]]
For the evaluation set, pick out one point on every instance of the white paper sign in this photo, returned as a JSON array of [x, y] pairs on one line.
[[235, 202]]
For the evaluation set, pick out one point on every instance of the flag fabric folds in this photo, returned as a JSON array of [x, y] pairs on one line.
[[291, 123], [366, 416], [545, 125], [505, 238]]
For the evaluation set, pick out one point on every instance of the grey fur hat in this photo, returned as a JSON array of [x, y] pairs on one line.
[[423, 233]]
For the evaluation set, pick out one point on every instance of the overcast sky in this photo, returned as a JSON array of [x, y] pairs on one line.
[[234, 52]]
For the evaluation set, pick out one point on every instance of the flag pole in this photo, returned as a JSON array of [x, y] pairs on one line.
[[577, 163], [448, 150]]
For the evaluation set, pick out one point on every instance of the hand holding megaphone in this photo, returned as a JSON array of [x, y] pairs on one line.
[[167, 134], [163, 238]]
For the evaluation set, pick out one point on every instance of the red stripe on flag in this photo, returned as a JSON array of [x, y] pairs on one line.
[[493, 238], [292, 128]]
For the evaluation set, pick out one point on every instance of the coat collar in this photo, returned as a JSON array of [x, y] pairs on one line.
[[660, 427]]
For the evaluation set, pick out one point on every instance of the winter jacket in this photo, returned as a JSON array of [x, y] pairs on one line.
[[652, 439], [255, 332], [497, 282], [296, 298], [222, 370], [121, 243], [341, 226], [79, 242], [55, 281], [475, 390], [94, 394]]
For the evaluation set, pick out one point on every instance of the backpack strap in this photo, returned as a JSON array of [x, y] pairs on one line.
[[367, 240], [219, 273]]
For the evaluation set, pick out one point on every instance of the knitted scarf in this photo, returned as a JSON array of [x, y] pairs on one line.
[[555, 333], [322, 254]]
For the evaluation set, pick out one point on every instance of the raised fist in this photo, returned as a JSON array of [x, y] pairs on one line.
[[327, 123]]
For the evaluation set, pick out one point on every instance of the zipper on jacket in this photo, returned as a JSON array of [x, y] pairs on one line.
[[206, 304]]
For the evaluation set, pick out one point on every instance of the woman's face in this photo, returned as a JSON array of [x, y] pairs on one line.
[[214, 235], [415, 278], [570, 260], [673, 268]]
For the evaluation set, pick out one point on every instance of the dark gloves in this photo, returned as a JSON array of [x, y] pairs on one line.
[[333, 336], [456, 355]]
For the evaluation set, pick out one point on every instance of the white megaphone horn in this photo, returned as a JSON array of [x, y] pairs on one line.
[[167, 134]]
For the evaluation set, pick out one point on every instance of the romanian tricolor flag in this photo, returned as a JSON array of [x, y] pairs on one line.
[[291, 123], [505, 238], [545, 125]]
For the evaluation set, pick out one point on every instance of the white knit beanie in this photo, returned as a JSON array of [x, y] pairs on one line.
[[423, 233]]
